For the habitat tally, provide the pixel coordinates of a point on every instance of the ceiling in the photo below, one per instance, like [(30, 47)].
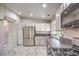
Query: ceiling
[(37, 10)]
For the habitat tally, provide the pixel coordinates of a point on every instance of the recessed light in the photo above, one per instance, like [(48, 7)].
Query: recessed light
[(43, 16), (31, 14), (19, 13), (57, 15), (44, 5)]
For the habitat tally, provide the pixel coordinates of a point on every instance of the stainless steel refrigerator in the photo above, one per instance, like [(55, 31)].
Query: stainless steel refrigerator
[(28, 35)]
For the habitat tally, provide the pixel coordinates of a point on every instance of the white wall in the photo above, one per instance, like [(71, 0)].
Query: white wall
[(1, 11)]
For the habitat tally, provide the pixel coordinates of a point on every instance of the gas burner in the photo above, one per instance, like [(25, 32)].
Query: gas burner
[(65, 51)]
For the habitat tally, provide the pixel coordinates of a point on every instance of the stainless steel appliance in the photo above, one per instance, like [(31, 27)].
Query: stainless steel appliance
[(28, 35)]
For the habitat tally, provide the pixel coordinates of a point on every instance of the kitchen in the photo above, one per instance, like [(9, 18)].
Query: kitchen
[(24, 33)]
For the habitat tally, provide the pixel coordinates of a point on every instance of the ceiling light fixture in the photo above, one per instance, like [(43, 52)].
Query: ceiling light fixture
[(57, 15), (44, 5), (31, 14), (43, 16)]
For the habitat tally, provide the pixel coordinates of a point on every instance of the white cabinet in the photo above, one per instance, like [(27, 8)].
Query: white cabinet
[(43, 27), (40, 41)]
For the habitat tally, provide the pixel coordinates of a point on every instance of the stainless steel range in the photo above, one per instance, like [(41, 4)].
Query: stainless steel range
[(74, 51)]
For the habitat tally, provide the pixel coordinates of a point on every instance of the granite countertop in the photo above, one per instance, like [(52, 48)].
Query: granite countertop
[(55, 43), (74, 51)]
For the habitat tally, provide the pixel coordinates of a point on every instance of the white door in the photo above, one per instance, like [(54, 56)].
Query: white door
[(1, 38)]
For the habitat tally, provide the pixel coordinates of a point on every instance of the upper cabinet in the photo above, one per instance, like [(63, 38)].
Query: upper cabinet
[(69, 9), (70, 16)]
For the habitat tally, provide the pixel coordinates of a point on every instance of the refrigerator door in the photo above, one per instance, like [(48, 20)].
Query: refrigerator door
[(28, 35)]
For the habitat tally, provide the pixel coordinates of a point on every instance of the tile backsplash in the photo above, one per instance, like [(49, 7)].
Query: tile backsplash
[(70, 33)]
